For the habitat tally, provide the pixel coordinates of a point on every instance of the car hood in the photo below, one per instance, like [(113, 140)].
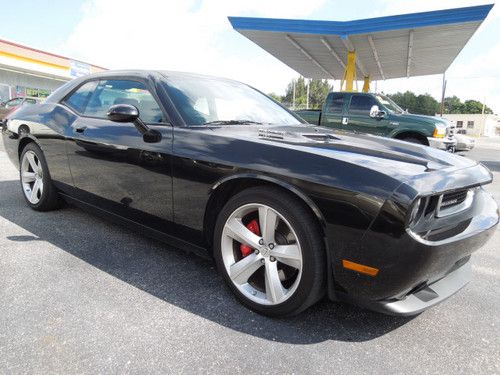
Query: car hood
[(423, 118), (407, 162)]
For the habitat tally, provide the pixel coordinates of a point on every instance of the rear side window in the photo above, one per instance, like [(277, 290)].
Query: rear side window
[(335, 103), (78, 100), (361, 104), (111, 92)]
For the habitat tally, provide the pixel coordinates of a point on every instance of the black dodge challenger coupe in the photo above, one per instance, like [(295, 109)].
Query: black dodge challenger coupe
[(290, 212)]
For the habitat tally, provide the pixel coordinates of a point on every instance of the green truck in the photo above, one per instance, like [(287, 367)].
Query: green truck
[(378, 115)]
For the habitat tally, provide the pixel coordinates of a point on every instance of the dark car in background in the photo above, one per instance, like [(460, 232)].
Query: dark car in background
[(11, 105), (290, 211)]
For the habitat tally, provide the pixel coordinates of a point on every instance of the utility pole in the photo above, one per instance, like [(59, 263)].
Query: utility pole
[(483, 117), (307, 94), (443, 93)]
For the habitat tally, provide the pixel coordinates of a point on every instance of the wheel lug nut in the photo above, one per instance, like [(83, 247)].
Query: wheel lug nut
[(257, 251), (263, 261), (272, 259), (271, 246), (261, 242)]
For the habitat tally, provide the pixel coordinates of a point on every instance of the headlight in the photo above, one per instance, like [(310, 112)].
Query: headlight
[(439, 130)]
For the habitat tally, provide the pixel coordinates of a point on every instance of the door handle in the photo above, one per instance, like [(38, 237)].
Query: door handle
[(80, 129)]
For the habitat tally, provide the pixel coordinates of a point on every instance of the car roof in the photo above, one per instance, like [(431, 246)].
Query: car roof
[(142, 73), (139, 73)]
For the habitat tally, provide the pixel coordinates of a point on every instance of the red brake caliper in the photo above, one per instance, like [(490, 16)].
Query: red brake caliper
[(253, 227)]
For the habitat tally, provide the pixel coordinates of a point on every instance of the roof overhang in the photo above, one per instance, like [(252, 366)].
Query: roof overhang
[(22, 59), (386, 47)]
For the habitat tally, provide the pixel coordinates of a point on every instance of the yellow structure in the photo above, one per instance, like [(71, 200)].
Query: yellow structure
[(366, 84), (347, 83), (349, 73)]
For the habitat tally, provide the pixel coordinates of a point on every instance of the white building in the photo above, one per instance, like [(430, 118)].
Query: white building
[(476, 125), (26, 71)]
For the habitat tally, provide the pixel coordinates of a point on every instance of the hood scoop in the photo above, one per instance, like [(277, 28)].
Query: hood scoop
[(296, 137), (271, 134)]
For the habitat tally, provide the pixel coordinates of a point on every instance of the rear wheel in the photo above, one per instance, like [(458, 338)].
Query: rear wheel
[(39, 192), (270, 251)]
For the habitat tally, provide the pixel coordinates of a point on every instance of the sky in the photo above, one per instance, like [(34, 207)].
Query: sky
[(195, 36)]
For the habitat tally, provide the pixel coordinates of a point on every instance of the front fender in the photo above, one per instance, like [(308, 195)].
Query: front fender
[(410, 129), (269, 179)]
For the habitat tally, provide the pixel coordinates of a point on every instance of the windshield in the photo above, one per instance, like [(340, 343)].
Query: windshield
[(389, 104), (206, 100)]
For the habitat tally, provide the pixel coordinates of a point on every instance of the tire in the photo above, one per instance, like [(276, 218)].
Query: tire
[(272, 280), (413, 140), (38, 189)]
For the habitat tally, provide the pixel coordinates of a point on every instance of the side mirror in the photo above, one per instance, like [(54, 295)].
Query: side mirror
[(123, 113), (130, 113), (375, 112)]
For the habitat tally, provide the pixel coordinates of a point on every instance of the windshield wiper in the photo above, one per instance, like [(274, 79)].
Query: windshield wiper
[(232, 122)]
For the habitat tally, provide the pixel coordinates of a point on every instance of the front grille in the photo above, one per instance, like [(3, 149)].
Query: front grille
[(453, 199), (454, 202)]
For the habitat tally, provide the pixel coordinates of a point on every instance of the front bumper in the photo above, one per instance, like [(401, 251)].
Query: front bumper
[(442, 143), (427, 296), (465, 146), (414, 273)]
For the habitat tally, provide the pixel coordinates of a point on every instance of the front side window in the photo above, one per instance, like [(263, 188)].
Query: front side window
[(110, 92), (335, 103), (79, 99), (203, 100), (361, 104), (13, 103), (389, 104)]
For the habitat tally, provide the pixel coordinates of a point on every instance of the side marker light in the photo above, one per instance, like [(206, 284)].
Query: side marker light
[(367, 270)]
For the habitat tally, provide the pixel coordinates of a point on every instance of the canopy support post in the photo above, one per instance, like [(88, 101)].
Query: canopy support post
[(350, 72), (366, 84)]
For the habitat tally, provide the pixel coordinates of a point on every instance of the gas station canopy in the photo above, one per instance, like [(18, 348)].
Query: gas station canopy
[(405, 45)]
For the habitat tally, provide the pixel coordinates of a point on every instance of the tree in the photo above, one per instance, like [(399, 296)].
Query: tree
[(318, 91), (422, 104), (278, 98), (427, 105), (453, 104), (475, 106)]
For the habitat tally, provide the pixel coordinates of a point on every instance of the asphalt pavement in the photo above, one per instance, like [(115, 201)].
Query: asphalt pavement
[(82, 295)]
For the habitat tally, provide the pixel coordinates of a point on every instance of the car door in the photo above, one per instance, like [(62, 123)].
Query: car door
[(358, 117), (112, 166), (333, 110)]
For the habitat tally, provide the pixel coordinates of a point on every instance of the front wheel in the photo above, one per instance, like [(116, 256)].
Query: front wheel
[(270, 251), (39, 192), (414, 140)]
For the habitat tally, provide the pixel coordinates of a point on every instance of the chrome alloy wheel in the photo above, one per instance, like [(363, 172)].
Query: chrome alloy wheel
[(32, 177), (271, 272)]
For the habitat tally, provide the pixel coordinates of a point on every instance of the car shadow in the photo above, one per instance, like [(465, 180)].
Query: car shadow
[(182, 279)]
